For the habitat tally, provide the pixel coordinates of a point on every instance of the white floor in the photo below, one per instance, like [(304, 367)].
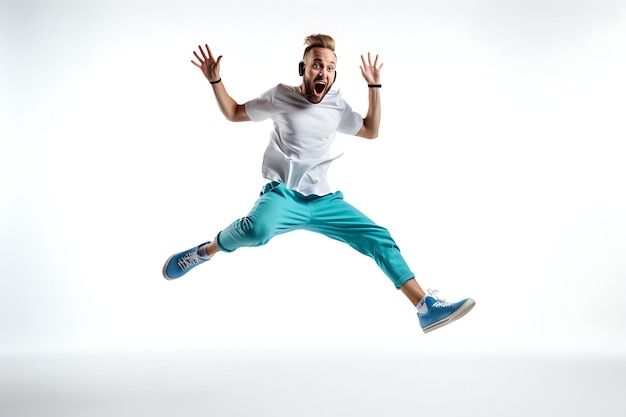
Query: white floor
[(300, 383)]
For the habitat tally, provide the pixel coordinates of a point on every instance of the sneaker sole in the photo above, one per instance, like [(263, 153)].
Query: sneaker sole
[(460, 312)]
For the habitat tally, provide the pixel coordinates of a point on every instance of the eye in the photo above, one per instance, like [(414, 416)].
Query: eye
[(330, 69), (317, 65)]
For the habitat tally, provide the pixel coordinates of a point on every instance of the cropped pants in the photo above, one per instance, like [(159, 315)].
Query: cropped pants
[(280, 210)]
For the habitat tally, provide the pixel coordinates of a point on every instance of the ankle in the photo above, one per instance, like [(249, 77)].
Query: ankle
[(203, 251)]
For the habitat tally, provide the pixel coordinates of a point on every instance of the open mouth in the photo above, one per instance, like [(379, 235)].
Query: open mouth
[(319, 87)]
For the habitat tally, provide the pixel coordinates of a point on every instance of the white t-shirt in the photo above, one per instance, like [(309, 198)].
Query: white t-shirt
[(298, 153)]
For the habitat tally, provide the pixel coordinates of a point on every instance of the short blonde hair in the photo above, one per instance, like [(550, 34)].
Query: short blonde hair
[(318, 41)]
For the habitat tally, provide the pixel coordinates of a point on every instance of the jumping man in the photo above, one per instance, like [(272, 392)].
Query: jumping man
[(297, 195)]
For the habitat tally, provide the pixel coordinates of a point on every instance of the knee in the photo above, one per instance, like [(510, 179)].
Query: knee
[(256, 233)]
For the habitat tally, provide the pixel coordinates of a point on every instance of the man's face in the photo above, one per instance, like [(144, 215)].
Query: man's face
[(319, 73)]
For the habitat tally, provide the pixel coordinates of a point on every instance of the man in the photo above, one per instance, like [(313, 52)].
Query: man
[(297, 197)]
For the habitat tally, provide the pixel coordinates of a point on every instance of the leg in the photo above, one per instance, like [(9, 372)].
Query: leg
[(275, 212), (413, 291), (337, 219), (212, 248)]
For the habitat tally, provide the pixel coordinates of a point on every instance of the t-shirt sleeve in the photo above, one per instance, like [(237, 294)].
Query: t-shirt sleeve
[(262, 107), (351, 121)]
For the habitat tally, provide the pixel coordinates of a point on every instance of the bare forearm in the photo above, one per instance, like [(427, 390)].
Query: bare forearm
[(233, 111), (371, 122)]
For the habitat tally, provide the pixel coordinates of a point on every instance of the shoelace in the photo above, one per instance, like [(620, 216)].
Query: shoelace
[(189, 260), (440, 301)]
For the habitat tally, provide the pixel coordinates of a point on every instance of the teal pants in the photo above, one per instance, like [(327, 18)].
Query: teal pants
[(280, 210)]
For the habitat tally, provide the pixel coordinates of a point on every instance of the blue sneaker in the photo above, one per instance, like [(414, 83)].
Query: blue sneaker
[(180, 263), (434, 312)]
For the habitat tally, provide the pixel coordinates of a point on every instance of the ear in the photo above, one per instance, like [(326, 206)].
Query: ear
[(301, 68)]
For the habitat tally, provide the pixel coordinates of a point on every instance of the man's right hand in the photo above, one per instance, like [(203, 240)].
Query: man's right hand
[(207, 63)]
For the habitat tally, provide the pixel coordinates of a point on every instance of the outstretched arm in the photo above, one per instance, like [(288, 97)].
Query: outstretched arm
[(210, 67), (371, 122)]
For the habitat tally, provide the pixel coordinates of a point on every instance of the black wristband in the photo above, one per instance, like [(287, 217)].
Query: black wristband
[(216, 82), (374, 85)]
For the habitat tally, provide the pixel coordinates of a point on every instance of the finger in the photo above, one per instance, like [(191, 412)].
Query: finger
[(199, 59), (202, 52), (196, 64), (208, 51)]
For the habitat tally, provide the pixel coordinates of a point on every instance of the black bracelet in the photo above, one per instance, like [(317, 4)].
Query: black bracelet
[(216, 82), (374, 85)]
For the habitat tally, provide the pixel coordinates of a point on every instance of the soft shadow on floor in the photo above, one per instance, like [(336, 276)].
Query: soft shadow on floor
[(303, 383)]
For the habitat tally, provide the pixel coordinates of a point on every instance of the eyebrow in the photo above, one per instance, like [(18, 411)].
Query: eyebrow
[(320, 60)]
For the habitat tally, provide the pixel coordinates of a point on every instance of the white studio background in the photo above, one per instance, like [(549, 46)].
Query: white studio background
[(499, 171)]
